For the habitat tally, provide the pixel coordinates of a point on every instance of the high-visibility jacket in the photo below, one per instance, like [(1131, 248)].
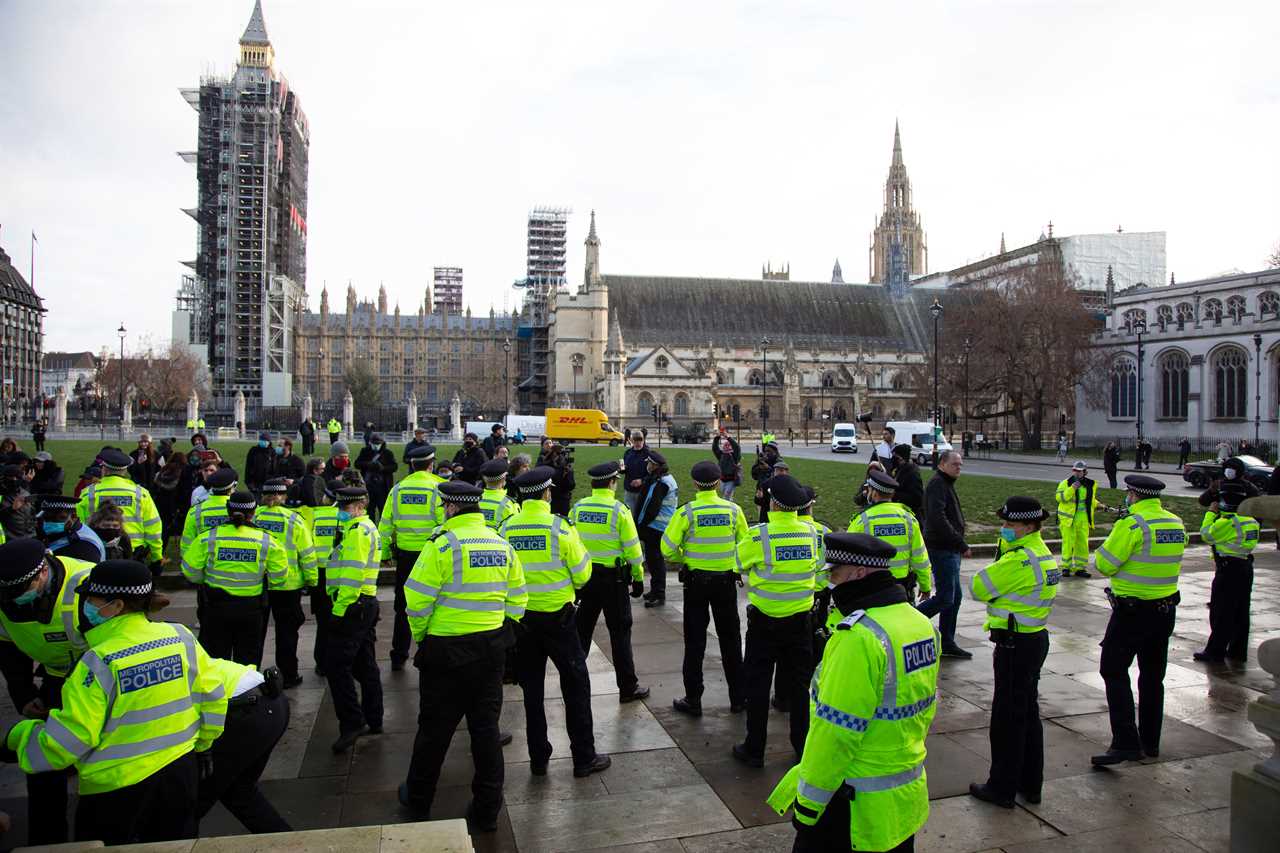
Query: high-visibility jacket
[(291, 532), (334, 426), (608, 531), (497, 506), (871, 704), (54, 642), (209, 513), (1230, 533), (191, 423), (1077, 505), (142, 696), (894, 524), (822, 575), (352, 570), (1143, 554), (200, 423), (781, 558), (554, 560), (237, 560), (466, 580), (1019, 587), (705, 533), (411, 513), (141, 519)]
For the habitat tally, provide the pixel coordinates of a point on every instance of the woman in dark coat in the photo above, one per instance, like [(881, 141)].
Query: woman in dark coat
[(164, 492), (145, 463), (1111, 461)]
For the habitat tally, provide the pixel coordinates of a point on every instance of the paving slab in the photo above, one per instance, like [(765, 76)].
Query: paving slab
[(963, 825), (1137, 835), (757, 838), (1107, 798)]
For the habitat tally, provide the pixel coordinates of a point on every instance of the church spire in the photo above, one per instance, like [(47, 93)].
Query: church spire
[(897, 144), (591, 273), (1002, 249), (837, 274), (255, 44)]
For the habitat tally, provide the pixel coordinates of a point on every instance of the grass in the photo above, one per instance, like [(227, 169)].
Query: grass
[(836, 482)]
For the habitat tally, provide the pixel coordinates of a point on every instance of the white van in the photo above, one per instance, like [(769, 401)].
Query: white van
[(844, 438), (920, 435)]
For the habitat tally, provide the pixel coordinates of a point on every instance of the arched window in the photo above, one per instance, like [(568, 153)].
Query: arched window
[(682, 404), (644, 404), (1230, 369), (897, 383), (1268, 302), (828, 380), (1133, 317), (1186, 314), (1124, 388), (808, 411), (1174, 384), (1213, 311), (1235, 308), (1164, 316), (660, 364), (755, 377)]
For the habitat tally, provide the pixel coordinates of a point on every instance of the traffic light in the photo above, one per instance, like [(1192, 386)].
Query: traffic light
[(737, 412), (715, 409), (655, 413)]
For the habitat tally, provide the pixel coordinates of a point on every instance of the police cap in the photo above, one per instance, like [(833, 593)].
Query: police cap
[(66, 502), (117, 579), (223, 478), (603, 471), (458, 492), (92, 471), (350, 494), (786, 492), (657, 458), (20, 560), (536, 480), (1144, 484), (858, 549), (494, 469), (242, 501), (421, 453), (113, 458), (882, 482), (705, 473), (1022, 508), (276, 485)]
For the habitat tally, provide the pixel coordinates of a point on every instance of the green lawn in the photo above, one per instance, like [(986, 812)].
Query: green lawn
[(836, 482)]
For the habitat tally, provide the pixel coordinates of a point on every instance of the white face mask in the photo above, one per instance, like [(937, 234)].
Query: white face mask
[(1229, 473)]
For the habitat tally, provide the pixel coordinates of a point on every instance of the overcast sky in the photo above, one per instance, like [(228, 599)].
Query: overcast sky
[(709, 137)]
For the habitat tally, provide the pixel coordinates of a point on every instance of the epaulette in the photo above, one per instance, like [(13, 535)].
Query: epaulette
[(849, 621)]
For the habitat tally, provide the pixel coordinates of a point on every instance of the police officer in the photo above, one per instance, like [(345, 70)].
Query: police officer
[(861, 783), (141, 520), (324, 535), (38, 626), (464, 587), (555, 565), (1143, 557), (779, 559), (138, 707), (257, 716), (292, 534), (64, 533), (1019, 589), (211, 511), (702, 539), (495, 505), (351, 581), (896, 525), (334, 429), (410, 515), (608, 531), (1077, 506), (1233, 537), (233, 564)]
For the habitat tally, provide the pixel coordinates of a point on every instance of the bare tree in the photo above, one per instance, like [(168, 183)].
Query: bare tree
[(1273, 260)]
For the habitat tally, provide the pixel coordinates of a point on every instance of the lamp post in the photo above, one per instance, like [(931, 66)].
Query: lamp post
[(1257, 392), (121, 332), (506, 377), (764, 390), (936, 310), (822, 400), (968, 347), (1140, 329)]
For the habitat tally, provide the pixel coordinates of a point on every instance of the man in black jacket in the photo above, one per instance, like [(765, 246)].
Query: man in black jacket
[(910, 491), (378, 466), (468, 461), (944, 539), (258, 463), (496, 438), (635, 467), (307, 432), (419, 440)]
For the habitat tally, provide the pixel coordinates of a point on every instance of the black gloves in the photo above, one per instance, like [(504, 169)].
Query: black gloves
[(205, 762), (637, 589)]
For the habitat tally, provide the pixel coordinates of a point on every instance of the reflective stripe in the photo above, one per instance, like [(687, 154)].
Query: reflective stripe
[(419, 586), (548, 587), (143, 747), (65, 738), (1162, 580), (1107, 555), (149, 715), (835, 716), (814, 793), (330, 580), (35, 754), (985, 577), (421, 613), (476, 586), (782, 596), (212, 696), (1021, 618), (515, 610), (886, 783), (468, 604)]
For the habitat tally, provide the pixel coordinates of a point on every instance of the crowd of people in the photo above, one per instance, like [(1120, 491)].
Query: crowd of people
[(498, 570)]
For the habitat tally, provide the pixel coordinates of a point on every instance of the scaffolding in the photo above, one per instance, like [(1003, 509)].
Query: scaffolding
[(545, 274)]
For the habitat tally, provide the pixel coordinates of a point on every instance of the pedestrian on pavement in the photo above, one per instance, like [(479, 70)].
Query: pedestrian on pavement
[(654, 510), (634, 468), (1111, 462), (861, 782), (1019, 589), (1184, 453), (910, 491), (1143, 557), (141, 520), (1077, 498), (702, 540), (1062, 448), (944, 533), (1233, 537), (410, 516), (608, 531)]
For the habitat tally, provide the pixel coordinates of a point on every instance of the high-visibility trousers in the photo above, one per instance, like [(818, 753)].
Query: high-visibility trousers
[(1075, 546)]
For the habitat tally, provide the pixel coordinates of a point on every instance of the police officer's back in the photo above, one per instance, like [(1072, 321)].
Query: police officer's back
[(141, 519), (324, 536), (495, 504), (896, 525), (211, 511), (410, 515), (290, 531), (1233, 536)]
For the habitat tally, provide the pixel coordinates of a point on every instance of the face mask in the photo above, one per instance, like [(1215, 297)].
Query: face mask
[(93, 614), (262, 443), (344, 516), (376, 447), (1128, 500), (341, 462), (1229, 474), (279, 451), (1007, 534), (28, 596), (52, 527)]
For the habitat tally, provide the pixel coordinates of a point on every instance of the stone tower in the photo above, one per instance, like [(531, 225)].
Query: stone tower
[(898, 223), (615, 362)]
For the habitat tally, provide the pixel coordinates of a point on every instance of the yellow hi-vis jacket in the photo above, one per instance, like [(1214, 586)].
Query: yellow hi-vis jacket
[(1076, 505), (141, 519), (894, 524), (236, 560), (554, 560), (608, 530), (1230, 534), (411, 513), (290, 531), (324, 533), (705, 533), (207, 514), (353, 569), (871, 705), (781, 558), (142, 696), (466, 581), (1019, 587), (1143, 554), (54, 642), (497, 506)]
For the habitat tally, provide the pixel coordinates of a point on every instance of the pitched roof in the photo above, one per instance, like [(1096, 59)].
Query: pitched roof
[(256, 32), (67, 361), (14, 288), (695, 311)]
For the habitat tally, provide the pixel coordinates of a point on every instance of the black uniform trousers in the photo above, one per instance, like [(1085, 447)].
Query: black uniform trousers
[(162, 807), (1016, 733), (231, 626), (831, 833), (1140, 630), (608, 593), (308, 444), (460, 677), (333, 437), (349, 658), (321, 611), (1229, 600), (651, 540), (708, 596), (785, 642), (47, 792), (255, 724), (285, 607), (401, 638), (553, 635)]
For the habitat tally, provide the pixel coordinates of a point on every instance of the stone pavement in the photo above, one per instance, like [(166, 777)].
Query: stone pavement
[(674, 788)]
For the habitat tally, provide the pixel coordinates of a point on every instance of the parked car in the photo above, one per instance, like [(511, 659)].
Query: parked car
[(1200, 474), (844, 438)]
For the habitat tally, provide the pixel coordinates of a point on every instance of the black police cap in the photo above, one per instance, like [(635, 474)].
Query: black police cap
[(882, 482), (223, 478), (242, 501), (422, 451), (458, 492), (276, 485), (657, 458), (535, 480), (786, 492), (494, 469), (603, 471), (1022, 508), (351, 494), (113, 458), (117, 579), (20, 560), (52, 501), (1144, 484), (858, 549), (705, 473)]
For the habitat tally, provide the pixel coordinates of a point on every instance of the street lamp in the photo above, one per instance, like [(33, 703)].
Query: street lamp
[(968, 347), (1257, 392), (764, 390), (506, 376), (936, 310), (1140, 329), (121, 332), (822, 398)]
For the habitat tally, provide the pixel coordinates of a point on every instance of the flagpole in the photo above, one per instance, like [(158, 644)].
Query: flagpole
[(33, 260)]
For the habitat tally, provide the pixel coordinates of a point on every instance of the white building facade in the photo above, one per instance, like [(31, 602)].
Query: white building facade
[(1208, 368)]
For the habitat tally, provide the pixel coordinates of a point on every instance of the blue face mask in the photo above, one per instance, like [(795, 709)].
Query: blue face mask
[(27, 597), (262, 443), (376, 447), (1007, 534), (279, 451), (92, 613), (344, 516), (52, 527)]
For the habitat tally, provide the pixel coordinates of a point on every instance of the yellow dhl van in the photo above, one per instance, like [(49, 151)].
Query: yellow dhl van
[(566, 425)]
